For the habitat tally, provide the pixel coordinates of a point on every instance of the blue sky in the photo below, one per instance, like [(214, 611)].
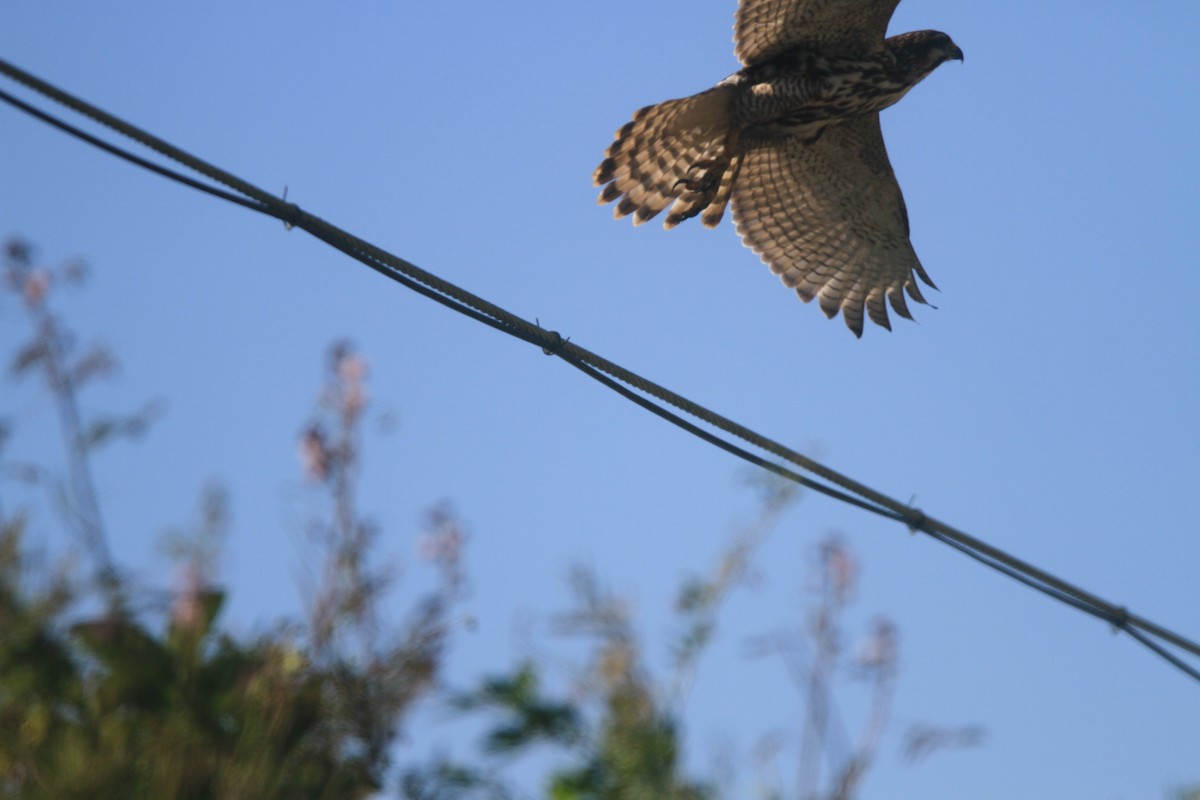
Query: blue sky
[(1049, 404)]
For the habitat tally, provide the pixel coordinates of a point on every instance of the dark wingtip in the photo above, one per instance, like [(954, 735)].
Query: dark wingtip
[(605, 172), (610, 193)]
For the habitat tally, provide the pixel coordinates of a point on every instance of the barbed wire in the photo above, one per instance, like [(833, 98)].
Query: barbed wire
[(625, 382)]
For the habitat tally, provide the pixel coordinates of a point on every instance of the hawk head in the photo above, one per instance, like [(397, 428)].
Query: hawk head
[(921, 52), (942, 44)]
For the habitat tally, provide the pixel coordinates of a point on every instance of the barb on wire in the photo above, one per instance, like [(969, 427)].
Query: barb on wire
[(628, 384)]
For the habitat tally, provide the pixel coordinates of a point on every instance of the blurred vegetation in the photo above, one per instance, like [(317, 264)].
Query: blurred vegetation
[(111, 689), (100, 701), (620, 728)]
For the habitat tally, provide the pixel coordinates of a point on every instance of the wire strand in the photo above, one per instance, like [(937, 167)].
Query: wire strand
[(625, 382)]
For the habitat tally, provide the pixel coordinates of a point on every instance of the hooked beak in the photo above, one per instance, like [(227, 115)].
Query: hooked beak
[(955, 54)]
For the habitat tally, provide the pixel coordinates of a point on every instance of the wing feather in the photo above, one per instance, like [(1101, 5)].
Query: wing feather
[(766, 28), (828, 218)]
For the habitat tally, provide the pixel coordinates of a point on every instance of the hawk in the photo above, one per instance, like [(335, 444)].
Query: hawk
[(792, 140)]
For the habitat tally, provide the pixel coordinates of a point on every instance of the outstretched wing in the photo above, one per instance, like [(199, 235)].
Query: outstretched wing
[(828, 219), (766, 28)]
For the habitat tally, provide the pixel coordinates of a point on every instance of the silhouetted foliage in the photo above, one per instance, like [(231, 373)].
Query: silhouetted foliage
[(119, 705)]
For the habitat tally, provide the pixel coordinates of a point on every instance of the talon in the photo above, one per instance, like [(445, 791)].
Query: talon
[(710, 177)]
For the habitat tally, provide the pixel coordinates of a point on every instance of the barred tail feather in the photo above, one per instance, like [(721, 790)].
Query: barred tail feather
[(655, 151)]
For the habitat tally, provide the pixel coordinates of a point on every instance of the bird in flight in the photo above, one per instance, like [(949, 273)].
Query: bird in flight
[(792, 140)]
